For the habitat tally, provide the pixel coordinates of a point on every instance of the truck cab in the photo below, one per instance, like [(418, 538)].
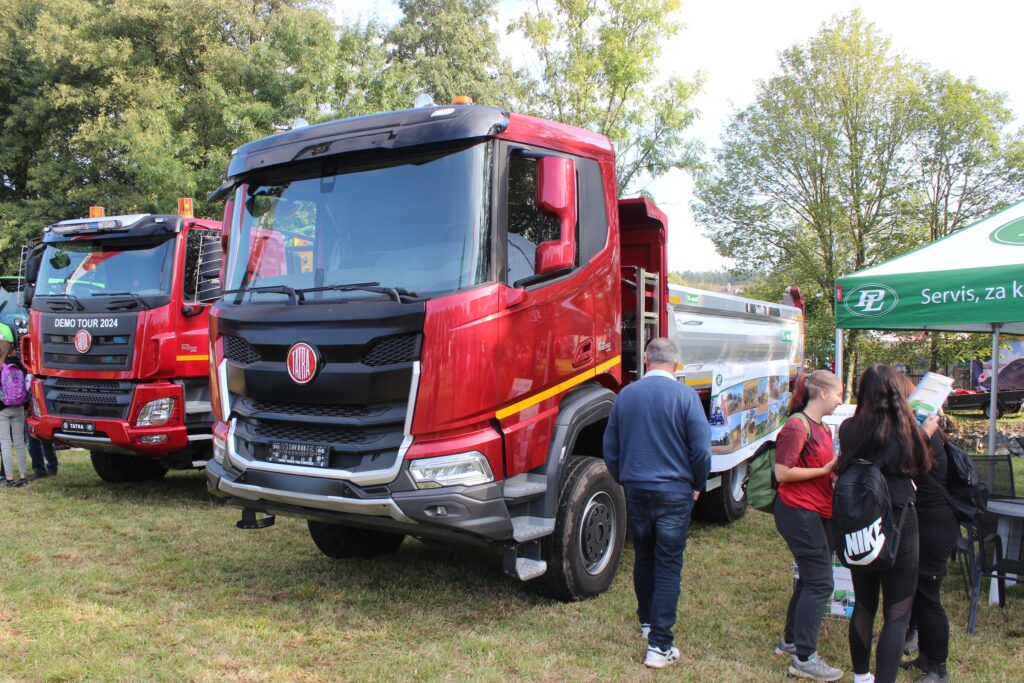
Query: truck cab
[(117, 348), (427, 316)]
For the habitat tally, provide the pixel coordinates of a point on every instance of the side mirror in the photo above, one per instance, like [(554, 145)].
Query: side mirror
[(556, 195), (32, 261)]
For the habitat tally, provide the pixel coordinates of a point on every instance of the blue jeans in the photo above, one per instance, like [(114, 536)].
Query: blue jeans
[(44, 457), (659, 522)]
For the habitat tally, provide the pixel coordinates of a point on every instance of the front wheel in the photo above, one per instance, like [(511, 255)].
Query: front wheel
[(116, 468), (584, 551), (111, 467), (1000, 409), (728, 502), (341, 542)]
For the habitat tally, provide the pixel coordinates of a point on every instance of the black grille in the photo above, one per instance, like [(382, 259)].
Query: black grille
[(68, 397), (312, 409), (87, 384), (90, 398), (240, 351), (392, 350), (297, 432)]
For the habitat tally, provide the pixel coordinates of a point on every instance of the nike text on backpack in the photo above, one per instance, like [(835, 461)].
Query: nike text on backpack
[(762, 486), (12, 386), (867, 532), (963, 488)]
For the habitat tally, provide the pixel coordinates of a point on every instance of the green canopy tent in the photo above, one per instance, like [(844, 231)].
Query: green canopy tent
[(969, 281)]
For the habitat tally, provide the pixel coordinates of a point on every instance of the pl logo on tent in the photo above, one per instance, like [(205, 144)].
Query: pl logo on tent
[(1011, 233), (870, 300)]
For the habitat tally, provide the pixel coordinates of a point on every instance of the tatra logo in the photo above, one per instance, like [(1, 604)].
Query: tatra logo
[(303, 362), (864, 546), (83, 341), (1011, 233), (870, 301)]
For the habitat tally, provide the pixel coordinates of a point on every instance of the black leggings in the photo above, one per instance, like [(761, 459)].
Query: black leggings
[(939, 531), (897, 586)]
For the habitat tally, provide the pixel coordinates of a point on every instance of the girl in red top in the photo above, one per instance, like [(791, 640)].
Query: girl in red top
[(804, 459)]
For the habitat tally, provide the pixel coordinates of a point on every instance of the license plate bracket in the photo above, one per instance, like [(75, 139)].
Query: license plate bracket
[(86, 427), (305, 454)]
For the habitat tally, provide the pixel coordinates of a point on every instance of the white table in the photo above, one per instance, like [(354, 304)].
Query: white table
[(1010, 529)]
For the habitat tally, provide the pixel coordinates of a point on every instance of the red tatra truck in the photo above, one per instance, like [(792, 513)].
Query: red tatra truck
[(118, 339), (426, 317)]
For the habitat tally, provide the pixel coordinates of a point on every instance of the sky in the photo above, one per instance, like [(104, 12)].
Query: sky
[(736, 43)]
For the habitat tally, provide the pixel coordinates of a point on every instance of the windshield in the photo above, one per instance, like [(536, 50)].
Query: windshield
[(418, 227), (11, 312), (84, 268)]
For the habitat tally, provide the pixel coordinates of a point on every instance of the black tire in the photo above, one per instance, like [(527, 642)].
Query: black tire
[(1013, 407), (112, 467), (1000, 409), (341, 542), (728, 502), (148, 469), (584, 551), (118, 469)]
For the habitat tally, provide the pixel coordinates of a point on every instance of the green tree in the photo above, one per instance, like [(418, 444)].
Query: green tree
[(811, 180), (963, 171), (598, 70), (131, 104), (447, 48)]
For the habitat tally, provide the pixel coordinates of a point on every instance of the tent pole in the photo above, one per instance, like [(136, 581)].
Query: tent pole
[(993, 397), (838, 369)]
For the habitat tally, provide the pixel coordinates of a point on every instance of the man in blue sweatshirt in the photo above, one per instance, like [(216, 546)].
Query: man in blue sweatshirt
[(658, 446)]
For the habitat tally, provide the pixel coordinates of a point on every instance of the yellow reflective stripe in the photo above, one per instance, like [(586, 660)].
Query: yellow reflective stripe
[(675, 300), (557, 389), (698, 382), (203, 356)]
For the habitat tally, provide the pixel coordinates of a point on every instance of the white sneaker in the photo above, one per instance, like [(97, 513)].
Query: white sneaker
[(658, 658), (645, 631)]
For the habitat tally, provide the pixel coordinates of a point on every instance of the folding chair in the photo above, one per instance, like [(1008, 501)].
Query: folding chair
[(979, 552), (997, 473)]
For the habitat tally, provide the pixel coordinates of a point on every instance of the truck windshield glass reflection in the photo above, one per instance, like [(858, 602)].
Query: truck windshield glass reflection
[(419, 227)]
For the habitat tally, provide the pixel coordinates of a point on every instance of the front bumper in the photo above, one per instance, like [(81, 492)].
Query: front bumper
[(469, 514), (112, 436)]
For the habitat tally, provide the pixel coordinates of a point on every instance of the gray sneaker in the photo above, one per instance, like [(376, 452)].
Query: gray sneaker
[(814, 669), (784, 648)]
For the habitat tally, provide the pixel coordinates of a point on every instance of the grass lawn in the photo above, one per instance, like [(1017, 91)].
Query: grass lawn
[(154, 582)]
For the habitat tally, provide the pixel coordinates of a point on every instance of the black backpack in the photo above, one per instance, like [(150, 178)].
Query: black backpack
[(964, 490), (867, 532)]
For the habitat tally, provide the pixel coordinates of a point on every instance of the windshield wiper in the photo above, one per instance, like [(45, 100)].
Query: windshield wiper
[(69, 300), (294, 296), (394, 293), (134, 301)]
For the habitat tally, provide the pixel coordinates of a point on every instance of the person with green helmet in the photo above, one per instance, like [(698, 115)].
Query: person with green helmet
[(12, 417)]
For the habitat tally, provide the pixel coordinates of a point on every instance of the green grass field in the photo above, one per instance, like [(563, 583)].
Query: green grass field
[(154, 582)]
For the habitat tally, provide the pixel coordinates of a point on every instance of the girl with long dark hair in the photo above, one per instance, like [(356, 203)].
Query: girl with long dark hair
[(804, 459), (883, 430), (938, 534)]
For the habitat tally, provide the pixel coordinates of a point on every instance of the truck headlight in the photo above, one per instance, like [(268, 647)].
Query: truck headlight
[(462, 469), (155, 412), (34, 402), (220, 449)]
